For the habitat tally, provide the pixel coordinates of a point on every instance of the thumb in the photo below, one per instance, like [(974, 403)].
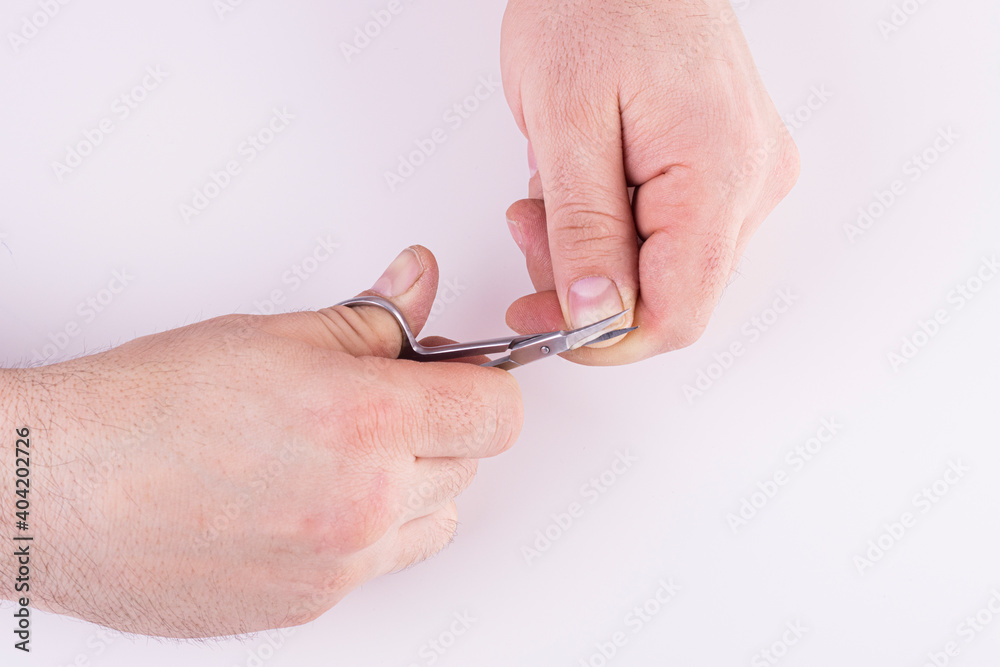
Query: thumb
[(591, 235), (410, 283)]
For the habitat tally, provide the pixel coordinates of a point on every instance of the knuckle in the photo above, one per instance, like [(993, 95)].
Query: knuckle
[(509, 414), (789, 166), (363, 504), (457, 477), (579, 119), (323, 595), (356, 332), (368, 419), (383, 421), (764, 160), (689, 327), (497, 417), (687, 334), (331, 581), (744, 136), (363, 520), (439, 533), (581, 231), (717, 255), (447, 481)]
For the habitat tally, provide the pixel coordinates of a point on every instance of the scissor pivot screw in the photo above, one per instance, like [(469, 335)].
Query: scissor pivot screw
[(545, 349)]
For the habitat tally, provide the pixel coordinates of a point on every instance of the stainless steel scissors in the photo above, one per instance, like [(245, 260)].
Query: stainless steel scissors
[(517, 350)]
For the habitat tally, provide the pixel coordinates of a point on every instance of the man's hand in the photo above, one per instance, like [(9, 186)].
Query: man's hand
[(246, 472), (662, 96)]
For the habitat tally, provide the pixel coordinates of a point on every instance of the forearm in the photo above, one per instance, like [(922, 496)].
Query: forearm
[(29, 446), (39, 468)]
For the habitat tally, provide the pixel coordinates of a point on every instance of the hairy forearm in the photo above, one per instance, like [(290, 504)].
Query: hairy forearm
[(29, 455), (40, 467), (12, 416)]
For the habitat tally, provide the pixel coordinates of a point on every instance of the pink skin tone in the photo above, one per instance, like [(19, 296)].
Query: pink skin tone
[(607, 108), (282, 461)]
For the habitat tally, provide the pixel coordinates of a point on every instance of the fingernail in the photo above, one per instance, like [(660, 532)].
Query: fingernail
[(401, 275), (515, 232), (532, 163), (592, 300)]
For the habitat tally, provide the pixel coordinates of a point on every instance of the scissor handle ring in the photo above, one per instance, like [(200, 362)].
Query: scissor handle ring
[(410, 348)]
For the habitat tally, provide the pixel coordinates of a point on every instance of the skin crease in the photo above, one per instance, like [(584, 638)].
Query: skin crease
[(279, 463), (659, 95)]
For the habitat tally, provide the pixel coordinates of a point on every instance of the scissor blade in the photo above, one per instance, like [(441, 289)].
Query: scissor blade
[(505, 364), (584, 335), (611, 335), (551, 344)]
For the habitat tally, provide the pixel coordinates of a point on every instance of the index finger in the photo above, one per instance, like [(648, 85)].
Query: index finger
[(446, 410), (591, 234)]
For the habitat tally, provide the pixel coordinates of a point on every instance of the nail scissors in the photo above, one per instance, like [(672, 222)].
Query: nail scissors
[(517, 350)]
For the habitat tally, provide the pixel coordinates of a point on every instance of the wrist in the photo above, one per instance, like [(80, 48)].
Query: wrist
[(12, 398)]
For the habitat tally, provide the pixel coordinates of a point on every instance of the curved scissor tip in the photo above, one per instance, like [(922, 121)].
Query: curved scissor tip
[(611, 335)]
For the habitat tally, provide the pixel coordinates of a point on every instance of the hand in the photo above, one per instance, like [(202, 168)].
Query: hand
[(246, 472), (662, 96)]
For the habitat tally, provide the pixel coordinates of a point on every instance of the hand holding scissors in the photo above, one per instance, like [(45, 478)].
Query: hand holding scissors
[(516, 350)]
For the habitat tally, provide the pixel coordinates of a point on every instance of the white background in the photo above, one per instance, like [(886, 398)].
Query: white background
[(666, 517)]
